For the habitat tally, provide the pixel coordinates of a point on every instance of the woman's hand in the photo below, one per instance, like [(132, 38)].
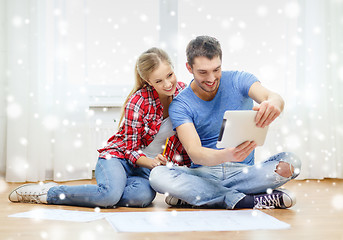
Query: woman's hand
[(159, 160), (151, 163)]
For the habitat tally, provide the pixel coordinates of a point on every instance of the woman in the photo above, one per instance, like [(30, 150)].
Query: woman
[(123, 168)]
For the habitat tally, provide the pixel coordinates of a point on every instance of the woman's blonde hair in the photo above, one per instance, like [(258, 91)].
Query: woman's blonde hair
[(147, 62)]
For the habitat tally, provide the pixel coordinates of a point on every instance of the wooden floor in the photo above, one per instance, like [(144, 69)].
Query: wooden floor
[(318, 214)]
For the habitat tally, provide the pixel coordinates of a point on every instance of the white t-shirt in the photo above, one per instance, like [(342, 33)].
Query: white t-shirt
[(157, 145)]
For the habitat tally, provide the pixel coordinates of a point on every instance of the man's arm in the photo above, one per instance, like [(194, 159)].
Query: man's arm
[(271, 104), (207, 156)]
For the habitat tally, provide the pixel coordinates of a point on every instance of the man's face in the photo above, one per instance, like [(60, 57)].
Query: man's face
[(207, 74)]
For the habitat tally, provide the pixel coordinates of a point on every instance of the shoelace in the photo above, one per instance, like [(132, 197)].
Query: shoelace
[(29, 197), (268, 202)]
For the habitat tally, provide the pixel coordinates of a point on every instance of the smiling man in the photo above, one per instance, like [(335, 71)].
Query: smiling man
[(224, 178)]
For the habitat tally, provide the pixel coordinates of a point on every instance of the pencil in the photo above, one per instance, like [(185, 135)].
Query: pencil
[(165, 147)]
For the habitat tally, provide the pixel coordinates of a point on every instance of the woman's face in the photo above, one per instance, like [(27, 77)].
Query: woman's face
[(163, 79)]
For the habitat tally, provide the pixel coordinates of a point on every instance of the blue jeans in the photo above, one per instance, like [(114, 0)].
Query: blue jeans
[(118, 184), (224, 185)]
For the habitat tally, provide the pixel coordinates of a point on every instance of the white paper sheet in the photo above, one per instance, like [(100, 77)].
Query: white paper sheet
[(63, 215), (174, 221), (181, 221)]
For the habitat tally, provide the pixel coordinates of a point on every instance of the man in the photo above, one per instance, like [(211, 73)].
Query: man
[(223, 178)]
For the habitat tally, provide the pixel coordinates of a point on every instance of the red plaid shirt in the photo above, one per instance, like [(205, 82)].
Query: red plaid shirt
[(142, 121)]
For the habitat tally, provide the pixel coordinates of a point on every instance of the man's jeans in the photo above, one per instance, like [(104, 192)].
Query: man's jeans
[(224, 185), (118, 184)]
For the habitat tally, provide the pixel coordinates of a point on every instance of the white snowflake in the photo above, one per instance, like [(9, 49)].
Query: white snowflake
[(242, 25), (317, 30), (70, 168), (292, 10), (99, 228), (225, 23), (254, 213), (98, 122), (14, 110), (262, 11), (143, 17), (44, 235), (77, 143), (62, 196), (17, 21), (178, 158), (297, 41), (236, 43), (23, 141), (51, 122)]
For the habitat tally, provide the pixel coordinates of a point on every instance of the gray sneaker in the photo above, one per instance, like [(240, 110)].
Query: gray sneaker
[(173, 201), (279, 198), (31, 193)]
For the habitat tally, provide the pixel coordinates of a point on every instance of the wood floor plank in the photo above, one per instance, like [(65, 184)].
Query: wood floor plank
[(318, 214)]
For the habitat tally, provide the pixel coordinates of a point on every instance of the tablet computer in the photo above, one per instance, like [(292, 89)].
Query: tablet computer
[(238, 127)]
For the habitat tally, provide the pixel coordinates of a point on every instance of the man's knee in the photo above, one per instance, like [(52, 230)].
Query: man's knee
[(284, 169), (157, 175), (154, 174), (289, 167), (163, 178)]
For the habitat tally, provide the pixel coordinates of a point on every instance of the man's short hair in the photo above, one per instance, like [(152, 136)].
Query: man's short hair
[(203, 46)]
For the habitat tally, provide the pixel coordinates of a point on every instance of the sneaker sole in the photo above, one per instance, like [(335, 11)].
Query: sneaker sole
[(289, 198)]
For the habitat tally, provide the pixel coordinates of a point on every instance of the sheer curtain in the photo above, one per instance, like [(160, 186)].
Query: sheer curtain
[(47, 104), (2, 93), (317, 109), (312, 123), (60, 55)]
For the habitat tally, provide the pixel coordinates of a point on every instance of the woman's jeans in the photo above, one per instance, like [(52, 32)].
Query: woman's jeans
[(224, 185), (118, 184)]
